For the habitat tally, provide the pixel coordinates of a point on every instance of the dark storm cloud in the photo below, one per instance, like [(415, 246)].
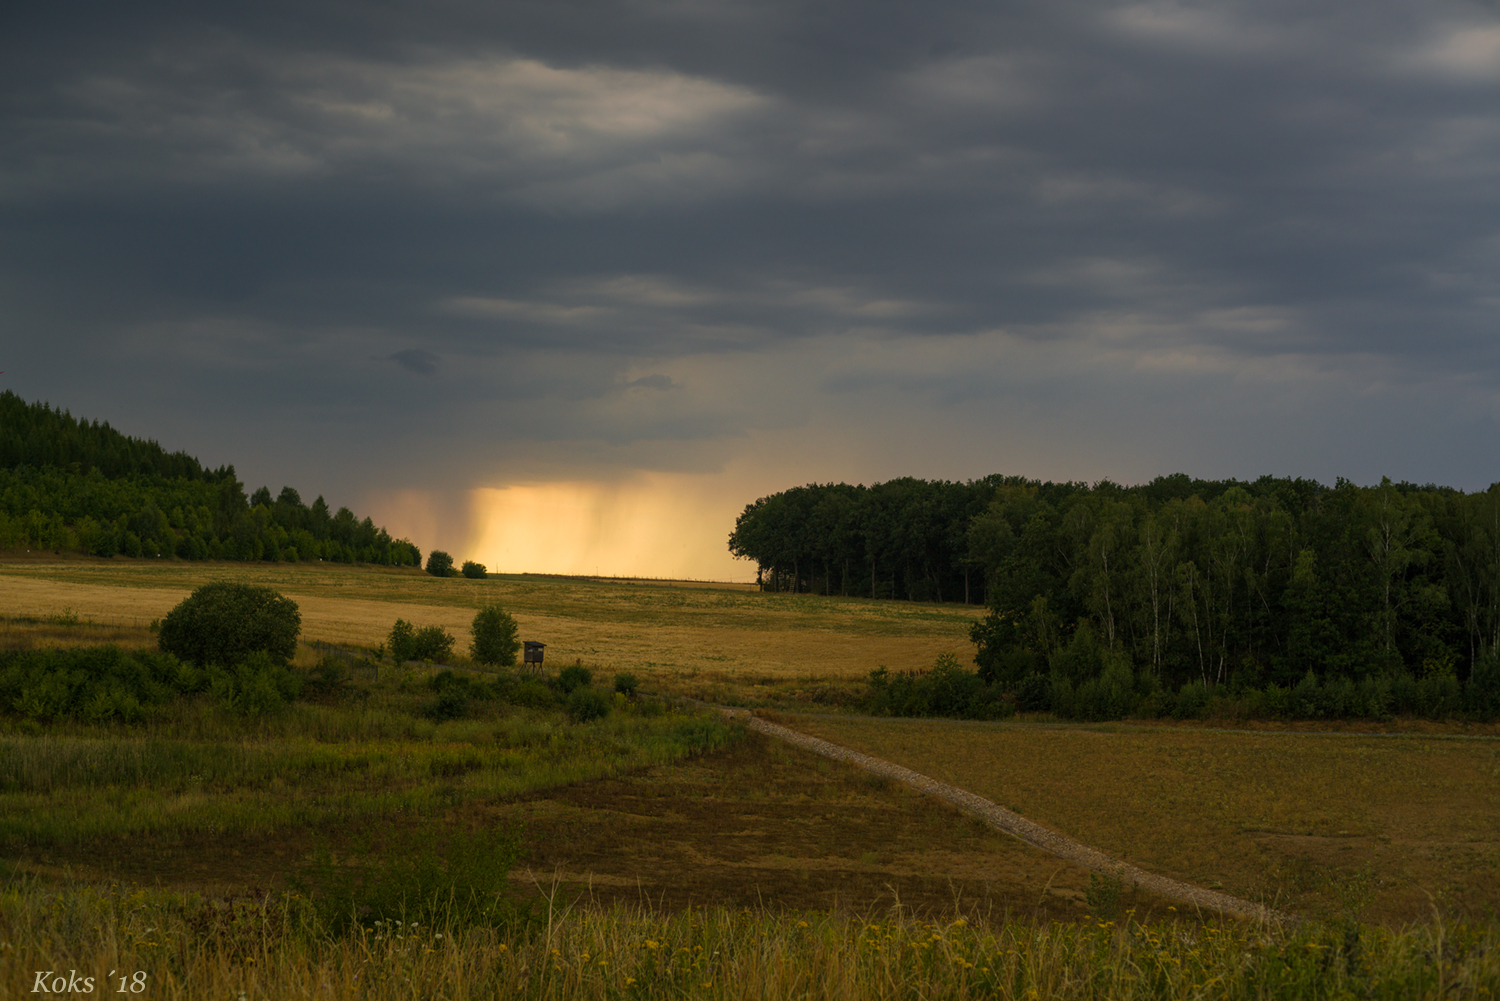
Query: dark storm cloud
[(782, 212), (416, 360)]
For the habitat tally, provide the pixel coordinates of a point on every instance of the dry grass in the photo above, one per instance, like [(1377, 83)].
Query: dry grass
[(717, 639), (1320, 824), (190, 948)]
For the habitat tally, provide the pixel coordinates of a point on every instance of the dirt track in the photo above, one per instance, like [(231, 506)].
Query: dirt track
[(1013, 823)]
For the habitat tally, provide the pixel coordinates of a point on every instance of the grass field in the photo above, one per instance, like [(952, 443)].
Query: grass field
[(646, 826), (1386, 827), (187, 948), (719, 640)]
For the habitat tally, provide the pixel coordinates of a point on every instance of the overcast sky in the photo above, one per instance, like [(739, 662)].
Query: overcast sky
[(564, 285)]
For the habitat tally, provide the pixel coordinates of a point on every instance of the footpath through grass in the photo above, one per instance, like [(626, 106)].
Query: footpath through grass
[(1322, 824)]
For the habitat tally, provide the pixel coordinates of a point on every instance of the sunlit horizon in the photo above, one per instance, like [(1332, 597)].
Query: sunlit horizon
[(649, 525)]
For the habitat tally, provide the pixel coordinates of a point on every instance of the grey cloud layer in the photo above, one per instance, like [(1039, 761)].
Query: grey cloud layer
[(622, 234)]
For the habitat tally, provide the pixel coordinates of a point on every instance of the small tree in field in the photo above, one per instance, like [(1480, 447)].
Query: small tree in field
[(223, 623), (495, 637), (440, 564), (474, 571), (403, 641)]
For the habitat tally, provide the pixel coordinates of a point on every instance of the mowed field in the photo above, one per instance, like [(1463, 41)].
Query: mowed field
[(722, 633), (1391, 828)]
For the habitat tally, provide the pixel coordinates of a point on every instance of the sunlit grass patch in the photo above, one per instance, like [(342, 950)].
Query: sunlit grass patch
[(660, 632)]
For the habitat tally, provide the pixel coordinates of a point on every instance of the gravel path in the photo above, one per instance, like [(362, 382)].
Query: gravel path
[(1011, 822)]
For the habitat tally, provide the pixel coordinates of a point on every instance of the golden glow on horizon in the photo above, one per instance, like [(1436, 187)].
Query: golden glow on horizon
[(651, 525)]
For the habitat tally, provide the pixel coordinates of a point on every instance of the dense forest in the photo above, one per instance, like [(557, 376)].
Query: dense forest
[(1175, 582), (70, 484)]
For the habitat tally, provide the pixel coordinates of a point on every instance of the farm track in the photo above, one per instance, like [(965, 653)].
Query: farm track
[(1014, 824)]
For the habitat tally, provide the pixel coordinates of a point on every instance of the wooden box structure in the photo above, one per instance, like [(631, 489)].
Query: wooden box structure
[(531, 658)]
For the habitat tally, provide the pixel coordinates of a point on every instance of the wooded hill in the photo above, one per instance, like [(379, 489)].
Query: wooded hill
[(1178, 580), (70, 484)]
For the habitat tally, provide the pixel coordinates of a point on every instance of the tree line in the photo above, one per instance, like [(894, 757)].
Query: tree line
[(70, 484), (1175, 582), (903, 539)]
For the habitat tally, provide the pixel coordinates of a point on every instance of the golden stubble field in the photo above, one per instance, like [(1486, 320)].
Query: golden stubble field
[(729, 633), (1388, 827)]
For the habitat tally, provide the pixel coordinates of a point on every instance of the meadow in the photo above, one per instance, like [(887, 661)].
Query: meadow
[(183, 948), (718, 640), (664, 852), (1382, 826)]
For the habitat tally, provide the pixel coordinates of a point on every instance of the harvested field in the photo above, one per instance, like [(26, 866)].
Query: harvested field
[(715, 636), (1382, 827)]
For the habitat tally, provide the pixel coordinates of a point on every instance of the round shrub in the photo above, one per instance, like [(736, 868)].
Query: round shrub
[(474, 571), (440, 564), (223, 623), (587, 704), (495, 637), (572, 677), (626, 684), (530, 694)]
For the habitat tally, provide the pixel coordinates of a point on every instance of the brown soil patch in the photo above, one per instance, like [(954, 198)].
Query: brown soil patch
[(758, 824)]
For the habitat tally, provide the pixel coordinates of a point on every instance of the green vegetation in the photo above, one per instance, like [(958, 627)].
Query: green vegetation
[(496, 637), (224, 622), (69, 484), (474, 571), (429, 643), (587, 704), (573, 676), (273, 947), (1106, 599), (202, 762), (946, 690), (440, 564)]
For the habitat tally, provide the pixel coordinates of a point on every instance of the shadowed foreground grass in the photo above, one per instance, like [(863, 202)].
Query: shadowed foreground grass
[(192, 948)]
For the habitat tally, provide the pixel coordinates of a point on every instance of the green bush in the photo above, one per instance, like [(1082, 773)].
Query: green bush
[(97, 684), (586, 704), (223, 623), (433, 643), (946, 690), (530, 694), (454, 693), (1034, 693), (440, 564), (474, 571), (258, 686), (626, 684), (328, 679), (407, 642), (495, 637), (573, 676)]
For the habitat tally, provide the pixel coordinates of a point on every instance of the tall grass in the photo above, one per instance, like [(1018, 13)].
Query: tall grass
[(194, 948), (72, 787)]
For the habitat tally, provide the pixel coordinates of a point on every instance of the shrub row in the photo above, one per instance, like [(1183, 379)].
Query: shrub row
[(104, 683), (949, 690)]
